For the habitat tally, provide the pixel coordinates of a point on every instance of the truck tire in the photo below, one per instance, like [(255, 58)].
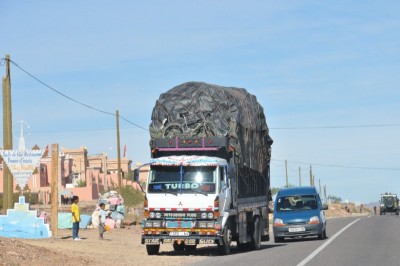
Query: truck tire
[(242, 246), (190, 248), (224, 248), (256, 235), (178, 247), (152, 249)]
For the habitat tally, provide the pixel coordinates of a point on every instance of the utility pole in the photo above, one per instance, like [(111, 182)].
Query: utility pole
[(119, 157), (54, 188), (287, 181), (311, 181), (319, 184), (7, 137), (299, 177), (105, 171)]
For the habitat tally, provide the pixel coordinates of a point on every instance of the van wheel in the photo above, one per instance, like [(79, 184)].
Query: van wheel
[(152, 249), (323, 235), (256, 237), (224, 248)]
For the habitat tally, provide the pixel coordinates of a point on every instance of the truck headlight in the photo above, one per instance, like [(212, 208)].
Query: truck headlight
[(152, 215), (157, 224), (210, 215), (204, 215), (202, 224), (158, 215)]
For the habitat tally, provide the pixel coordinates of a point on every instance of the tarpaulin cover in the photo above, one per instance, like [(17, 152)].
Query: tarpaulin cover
[(201, 109)]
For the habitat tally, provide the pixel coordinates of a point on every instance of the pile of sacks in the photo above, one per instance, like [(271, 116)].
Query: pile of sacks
[(114, 205)]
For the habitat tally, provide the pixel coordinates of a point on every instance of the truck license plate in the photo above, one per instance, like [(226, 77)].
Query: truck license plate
[(152, 241), (297, 229), (179, 233)]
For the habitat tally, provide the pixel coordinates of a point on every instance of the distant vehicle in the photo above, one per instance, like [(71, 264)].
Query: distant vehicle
[(389, 203), (298, 211)]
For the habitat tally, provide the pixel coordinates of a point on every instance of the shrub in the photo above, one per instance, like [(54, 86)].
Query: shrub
[(132, 197)]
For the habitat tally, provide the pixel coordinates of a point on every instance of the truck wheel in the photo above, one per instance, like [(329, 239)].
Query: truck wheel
[(224, 248), (256, 237), (190, 248), (152, 249), (242, 246), (178, 247)]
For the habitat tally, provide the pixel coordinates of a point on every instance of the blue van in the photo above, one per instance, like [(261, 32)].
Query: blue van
[(298, 211)]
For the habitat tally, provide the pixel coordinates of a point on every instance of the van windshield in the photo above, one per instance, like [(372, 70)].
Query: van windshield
[(296, 203)]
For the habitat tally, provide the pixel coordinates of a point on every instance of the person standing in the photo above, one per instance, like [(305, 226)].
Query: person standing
[(102, 220), (76, 218)]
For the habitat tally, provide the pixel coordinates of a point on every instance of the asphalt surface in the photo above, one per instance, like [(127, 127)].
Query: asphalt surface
[(361, 240)]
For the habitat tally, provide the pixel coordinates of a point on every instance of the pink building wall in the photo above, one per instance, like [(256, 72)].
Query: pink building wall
[(94, 177)]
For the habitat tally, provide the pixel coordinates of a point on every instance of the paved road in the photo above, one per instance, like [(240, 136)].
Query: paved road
[(372, 240)]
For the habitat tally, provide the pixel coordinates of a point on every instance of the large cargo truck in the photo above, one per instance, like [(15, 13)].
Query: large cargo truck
[(209, 173)]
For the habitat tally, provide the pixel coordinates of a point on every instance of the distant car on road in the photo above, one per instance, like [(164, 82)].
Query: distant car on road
[(298, 211), (389, 203)]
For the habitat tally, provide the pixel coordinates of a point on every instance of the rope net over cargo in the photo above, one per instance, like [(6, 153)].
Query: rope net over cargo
[(197, 109)]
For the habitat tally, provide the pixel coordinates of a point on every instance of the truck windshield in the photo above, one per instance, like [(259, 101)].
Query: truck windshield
[(185, 179), (296, 203)]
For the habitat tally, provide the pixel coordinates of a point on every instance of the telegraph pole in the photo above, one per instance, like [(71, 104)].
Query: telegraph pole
[(311, 177), (119, 157), (287, 181), (319, 183), (54, 188), (7, 137), (299, 177)]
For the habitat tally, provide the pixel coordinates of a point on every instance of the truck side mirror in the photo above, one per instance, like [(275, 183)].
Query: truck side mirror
[(136, 174), (324, 207)]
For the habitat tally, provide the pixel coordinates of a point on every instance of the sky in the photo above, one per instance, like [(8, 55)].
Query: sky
[(325, 72)]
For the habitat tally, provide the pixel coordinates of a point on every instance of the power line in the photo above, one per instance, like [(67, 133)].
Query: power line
[(136, 125), (69, 98), (330, 127), (342, 166)]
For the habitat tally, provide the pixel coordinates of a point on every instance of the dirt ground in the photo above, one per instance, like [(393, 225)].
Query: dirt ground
[(120, 247)]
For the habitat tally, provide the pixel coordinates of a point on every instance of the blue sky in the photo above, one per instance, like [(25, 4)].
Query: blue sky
[(326, 73)]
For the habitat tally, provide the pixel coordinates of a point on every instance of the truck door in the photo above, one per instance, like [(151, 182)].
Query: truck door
[(224, 190)]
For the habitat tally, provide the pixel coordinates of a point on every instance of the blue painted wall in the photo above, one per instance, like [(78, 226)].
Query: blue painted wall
[(21, 222)]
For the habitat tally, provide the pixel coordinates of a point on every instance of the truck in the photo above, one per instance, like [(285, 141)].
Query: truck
[(208, 179)]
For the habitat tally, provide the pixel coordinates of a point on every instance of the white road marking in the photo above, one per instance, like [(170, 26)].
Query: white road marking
[(318, 250)]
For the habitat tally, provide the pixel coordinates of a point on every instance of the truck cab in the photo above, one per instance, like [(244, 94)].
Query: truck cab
[(185, 196)]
